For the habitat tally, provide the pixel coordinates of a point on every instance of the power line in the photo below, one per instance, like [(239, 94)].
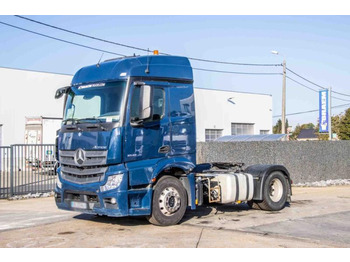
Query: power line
[(233, 72), (306, 79), (302, 84), (147, 50), (316, 91), (230, 63), (101, 50), (316, 84), (84, 35), (61, 40), (341, 99), (311, 111), (139, 48), (340, 93)]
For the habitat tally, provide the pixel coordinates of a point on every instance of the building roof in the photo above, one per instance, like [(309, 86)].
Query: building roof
[(307, 133), (240, 138)]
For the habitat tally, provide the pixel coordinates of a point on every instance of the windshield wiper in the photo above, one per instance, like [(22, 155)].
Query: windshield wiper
[(93, 126), (90, 118)]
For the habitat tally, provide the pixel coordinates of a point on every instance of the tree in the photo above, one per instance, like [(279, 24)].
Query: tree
[(340, 126), (277, 129), (344, 126)]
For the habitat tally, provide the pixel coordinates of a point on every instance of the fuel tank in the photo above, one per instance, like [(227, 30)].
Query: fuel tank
[(233, 187)]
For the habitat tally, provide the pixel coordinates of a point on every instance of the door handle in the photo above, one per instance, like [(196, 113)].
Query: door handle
[(164, 149)]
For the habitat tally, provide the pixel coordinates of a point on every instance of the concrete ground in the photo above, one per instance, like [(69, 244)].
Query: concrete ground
[(317, 217)]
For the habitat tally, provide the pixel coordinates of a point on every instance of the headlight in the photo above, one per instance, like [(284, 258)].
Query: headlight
[(112, 182), (58, 182)]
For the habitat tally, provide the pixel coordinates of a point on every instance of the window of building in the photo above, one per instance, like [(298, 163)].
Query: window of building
[(212, 134), (264, 132), (242, 129)]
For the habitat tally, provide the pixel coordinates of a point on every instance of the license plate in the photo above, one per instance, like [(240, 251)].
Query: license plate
[(80, 205)]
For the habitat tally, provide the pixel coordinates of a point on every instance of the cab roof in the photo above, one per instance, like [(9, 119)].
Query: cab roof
[(173, 67)]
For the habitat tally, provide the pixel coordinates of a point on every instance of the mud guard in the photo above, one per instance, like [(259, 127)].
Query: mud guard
[(261, 172)]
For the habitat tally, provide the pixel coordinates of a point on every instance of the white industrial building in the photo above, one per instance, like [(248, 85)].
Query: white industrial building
[(220, 113), (27, 93)]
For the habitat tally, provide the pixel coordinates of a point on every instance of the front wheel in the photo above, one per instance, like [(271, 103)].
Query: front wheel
[(275, 192), (169, 202)]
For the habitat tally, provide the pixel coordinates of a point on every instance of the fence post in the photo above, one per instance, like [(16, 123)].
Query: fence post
[(11, 170)]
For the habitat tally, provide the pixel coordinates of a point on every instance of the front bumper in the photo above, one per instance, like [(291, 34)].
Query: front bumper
[(119, 202)]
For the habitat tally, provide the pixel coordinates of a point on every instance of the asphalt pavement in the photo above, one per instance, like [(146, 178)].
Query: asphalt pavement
[(317, 217)]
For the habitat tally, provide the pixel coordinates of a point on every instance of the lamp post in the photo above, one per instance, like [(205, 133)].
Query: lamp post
[(283, 93)]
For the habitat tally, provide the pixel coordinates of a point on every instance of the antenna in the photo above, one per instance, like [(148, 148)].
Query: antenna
[(147, 69), (98, 63)]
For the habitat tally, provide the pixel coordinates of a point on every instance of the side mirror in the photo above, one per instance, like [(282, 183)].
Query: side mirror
[(61, 91), (145, 102)]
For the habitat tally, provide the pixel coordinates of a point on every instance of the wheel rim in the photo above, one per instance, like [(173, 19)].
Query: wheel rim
[(276, 190), (169, 201)]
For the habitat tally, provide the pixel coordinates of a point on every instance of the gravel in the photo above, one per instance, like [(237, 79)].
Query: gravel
[(324, 183), (30, 195)]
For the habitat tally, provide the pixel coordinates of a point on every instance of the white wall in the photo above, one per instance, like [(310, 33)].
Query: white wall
[(27, 93), (214, 111), (0, 135)]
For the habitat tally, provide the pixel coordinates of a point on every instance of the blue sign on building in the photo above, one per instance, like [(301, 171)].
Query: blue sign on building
[(323, 111)]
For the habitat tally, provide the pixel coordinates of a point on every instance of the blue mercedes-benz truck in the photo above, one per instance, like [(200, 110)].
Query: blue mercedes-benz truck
[(127, 146)]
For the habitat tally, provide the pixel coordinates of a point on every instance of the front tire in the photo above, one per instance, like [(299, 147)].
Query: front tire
[(275, 192), (169, 202)]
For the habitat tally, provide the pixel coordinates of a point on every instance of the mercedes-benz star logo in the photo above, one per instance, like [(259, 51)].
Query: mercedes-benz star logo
[(79, 157)]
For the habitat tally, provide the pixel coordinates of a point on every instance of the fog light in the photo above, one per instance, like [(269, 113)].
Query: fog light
[(112, 182), (113, 201), (58, 182)]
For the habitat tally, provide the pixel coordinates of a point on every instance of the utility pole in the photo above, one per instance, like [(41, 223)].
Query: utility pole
[(284, 98), (330, 112)]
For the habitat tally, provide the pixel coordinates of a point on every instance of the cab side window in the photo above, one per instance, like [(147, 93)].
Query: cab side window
[(135, 104), (158, 104)]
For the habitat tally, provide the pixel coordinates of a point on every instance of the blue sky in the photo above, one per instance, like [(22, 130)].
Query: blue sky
[(316, 47)]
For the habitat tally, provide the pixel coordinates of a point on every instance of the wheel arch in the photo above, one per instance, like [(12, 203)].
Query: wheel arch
[(180, 168), (261, 172), (173, 166)]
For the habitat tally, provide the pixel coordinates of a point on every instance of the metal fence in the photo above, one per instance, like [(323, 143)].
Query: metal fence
[(26, 169)]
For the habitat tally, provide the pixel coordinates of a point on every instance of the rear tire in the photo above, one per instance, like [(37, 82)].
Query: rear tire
[(169, 202), (275, 192)]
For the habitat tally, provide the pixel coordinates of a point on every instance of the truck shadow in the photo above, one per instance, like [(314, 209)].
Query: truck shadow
[(122, 221), (238, 211), (214, 209)]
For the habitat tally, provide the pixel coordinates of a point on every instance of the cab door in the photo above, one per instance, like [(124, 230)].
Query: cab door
[(148, 141)]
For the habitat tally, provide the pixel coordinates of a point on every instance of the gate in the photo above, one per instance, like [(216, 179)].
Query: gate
[(27, 169), (5, 164)]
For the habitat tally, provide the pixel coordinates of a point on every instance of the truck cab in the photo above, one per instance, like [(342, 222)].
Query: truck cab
[(127, 122)]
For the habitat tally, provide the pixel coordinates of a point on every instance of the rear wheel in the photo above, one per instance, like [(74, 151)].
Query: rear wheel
[(274, 192), (169, 202)]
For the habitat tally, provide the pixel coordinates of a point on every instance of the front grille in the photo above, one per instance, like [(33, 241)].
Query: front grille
[(91, 170), (93, 158)]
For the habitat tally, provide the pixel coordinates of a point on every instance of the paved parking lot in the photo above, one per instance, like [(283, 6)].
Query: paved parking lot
[(317, 217)]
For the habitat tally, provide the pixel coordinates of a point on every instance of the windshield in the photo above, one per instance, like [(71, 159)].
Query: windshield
[(100, 102)]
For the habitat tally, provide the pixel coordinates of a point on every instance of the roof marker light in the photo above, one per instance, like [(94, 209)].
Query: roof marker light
[(155, 52)]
